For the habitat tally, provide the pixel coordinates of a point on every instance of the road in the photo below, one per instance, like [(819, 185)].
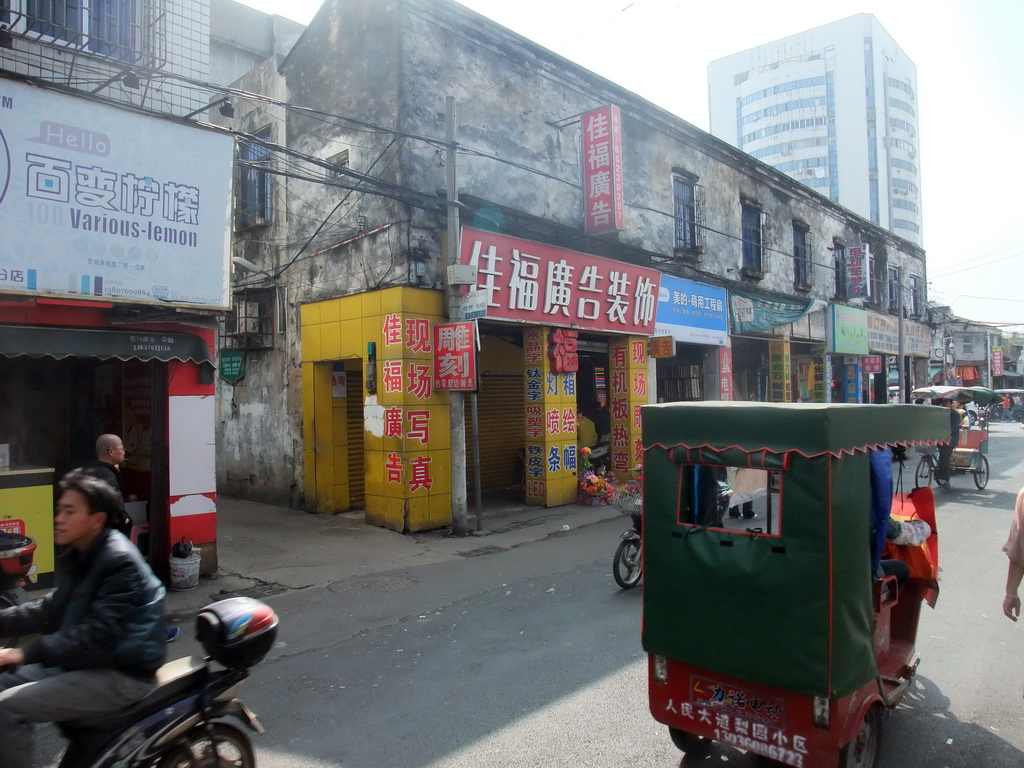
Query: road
[(532, 657)]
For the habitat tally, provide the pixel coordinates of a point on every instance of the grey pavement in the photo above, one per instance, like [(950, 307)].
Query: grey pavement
[(264, 549)]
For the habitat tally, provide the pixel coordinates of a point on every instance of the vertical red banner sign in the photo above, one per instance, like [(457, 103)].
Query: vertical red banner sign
[(997, 361), (603, 209), (454, 356), (725, 370), (858, 271)]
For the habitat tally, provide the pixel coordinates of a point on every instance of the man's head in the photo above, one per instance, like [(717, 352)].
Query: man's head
[(86, 506), (110, 449)]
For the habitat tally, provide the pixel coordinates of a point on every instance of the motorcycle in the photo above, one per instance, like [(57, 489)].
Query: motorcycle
[(628, 563), (190, 718), (16, 553)]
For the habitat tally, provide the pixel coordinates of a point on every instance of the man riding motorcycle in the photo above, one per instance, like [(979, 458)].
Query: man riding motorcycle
[(102, 629)]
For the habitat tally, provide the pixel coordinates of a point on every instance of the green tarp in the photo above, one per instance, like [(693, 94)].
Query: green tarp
[(794, 610)]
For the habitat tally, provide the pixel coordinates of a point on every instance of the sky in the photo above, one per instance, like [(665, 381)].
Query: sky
[(970, 60)]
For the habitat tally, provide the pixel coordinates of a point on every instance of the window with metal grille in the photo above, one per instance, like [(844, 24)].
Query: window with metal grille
[(893, 289), (839, 266), (689, 214), (915, 295), (255, 189), (753, 220), (802, 247), (110, 28)]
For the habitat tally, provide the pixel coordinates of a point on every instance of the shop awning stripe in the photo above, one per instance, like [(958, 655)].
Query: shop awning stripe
[(62, 342)]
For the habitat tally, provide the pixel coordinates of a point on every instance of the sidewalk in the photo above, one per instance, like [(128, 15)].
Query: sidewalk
[(265, 549)]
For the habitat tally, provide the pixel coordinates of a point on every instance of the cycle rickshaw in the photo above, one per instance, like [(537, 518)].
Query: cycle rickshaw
[(783, 642), (969, 455)]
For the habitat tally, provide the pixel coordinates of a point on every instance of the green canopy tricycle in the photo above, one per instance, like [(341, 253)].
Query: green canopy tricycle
[(781, 637)]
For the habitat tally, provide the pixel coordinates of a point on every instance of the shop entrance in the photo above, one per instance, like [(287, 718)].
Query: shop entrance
[(681, 378), (750, 369), (336, 467), (52, 411), (501, 416)]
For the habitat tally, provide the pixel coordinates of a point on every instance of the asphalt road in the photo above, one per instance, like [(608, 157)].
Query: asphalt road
[(532, 657)]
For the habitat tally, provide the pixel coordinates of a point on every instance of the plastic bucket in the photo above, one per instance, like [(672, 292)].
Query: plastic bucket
[(185, 572)]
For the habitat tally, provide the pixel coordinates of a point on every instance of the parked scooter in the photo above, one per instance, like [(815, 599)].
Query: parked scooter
[(190, 718), (16, 552), (628, 563)]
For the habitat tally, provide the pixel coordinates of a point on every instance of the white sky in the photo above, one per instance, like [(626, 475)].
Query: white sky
[(970, 62)]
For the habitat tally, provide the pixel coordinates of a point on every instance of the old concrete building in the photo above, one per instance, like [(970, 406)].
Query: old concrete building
[(595, 221)]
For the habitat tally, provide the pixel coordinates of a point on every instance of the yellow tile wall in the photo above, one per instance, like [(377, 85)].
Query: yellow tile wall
[(551, 488), (340, 329), (629, 385)]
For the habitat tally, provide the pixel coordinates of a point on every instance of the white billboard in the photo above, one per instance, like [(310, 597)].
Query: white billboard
[(109, 204)]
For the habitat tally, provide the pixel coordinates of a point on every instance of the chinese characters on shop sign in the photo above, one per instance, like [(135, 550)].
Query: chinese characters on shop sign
[(603, 202), (545, 285)]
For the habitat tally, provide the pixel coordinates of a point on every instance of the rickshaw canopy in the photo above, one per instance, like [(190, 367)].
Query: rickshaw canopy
[(790, 607), (808, 429)]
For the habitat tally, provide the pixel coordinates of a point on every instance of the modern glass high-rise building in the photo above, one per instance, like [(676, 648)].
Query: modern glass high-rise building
[(835, 108)]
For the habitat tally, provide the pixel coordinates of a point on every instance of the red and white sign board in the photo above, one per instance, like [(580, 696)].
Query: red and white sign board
[(871, 363), (997, 361), (535, 283), (454, 357), (603, 209)]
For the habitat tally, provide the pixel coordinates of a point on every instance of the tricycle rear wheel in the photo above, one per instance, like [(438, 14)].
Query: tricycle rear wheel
[(923, 475), (981, 475), (866, 746), (691, 744)]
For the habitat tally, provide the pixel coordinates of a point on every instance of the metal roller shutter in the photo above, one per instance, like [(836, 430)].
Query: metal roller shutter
[(502, 417), (356, 449)]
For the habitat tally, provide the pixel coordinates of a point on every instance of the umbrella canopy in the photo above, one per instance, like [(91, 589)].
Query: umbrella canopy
[(979, 395), (984, 395)]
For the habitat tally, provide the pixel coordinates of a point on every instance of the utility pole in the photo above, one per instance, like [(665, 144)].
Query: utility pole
[(899, 335), (456, 401), (988, 355)]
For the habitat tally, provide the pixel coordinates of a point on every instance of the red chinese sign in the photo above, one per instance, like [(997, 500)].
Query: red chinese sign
[(871, 363), (603, 206), (725, 391), (454, 356), (997, 361), (541, 284), (562, 351), (858, 271)]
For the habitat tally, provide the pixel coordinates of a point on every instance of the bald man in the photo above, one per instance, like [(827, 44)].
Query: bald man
[(106, 466)]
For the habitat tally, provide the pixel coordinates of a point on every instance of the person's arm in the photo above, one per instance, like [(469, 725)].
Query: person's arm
[(1014, 549), (1011, 603), (11, 657)]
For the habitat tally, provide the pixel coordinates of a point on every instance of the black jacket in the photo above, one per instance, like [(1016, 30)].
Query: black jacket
[(107, 611), (111, 475)]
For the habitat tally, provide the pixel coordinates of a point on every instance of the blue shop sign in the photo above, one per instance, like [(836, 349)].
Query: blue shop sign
[(691, 312)]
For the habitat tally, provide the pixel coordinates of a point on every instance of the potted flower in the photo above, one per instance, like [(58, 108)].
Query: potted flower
[(595, 487)]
